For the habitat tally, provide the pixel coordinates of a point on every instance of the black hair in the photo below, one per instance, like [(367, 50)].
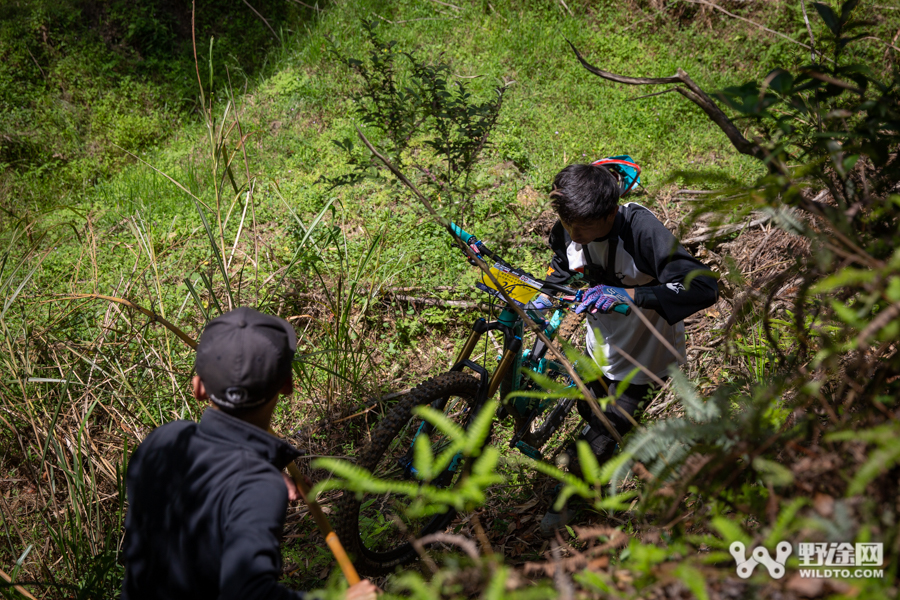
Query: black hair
[(584, 193)]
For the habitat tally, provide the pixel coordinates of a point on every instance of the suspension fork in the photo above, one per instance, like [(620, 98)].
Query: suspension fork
[(478, 329), (510, 326), (508, 323)]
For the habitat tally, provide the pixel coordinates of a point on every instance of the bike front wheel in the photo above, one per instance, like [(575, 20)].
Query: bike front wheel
[(541, 428), (376, 529)]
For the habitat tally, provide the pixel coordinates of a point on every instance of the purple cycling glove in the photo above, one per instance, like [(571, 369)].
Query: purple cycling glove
[(602, 298)]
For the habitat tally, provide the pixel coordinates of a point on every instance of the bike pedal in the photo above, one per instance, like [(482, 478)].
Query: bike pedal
[(528, 450)]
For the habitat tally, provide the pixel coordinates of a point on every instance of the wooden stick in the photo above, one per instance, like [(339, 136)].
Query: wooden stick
[(153, 316), (17, 587), (331, 538)]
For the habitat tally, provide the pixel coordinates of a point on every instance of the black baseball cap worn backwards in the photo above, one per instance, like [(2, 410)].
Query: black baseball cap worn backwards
[(244, 357)]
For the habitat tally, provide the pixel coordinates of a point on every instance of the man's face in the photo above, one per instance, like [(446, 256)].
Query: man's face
[(584, 232)]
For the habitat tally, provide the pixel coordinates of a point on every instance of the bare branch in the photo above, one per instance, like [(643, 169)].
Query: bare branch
[(692, 92), (621, 78), (709, 233), (653, 94), (256, 12), (763, 27), (812, 40)]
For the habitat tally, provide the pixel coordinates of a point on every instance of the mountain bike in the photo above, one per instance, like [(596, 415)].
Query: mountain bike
[(375, 529)]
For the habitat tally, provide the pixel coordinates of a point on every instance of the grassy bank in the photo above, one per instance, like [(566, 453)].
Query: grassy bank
[(142, 187)]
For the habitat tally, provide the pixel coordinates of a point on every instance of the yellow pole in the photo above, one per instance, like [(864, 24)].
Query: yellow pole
[(331, 538)]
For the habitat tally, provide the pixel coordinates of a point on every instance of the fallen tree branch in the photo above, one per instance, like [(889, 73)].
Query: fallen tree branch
[(708, 233), (392, 292), (438, 302)]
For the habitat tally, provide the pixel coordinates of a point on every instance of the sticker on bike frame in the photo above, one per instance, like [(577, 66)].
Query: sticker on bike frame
[(519, 287)]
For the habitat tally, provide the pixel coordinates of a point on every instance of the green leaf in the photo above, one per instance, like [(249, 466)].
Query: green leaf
[(843, 278), (845, 313), (882, 435), (480, 429), (893, 289), (693, 579), (880, 461), (781, 81), (613, 465), (423, 459), (772, 472), (560, 390), (695, 407), (729, 530), (592, 579), (590, 369), (496, 589), (785, 518), (590, 468), (846, 8), (829, 17), (440, 421), (617, 502)]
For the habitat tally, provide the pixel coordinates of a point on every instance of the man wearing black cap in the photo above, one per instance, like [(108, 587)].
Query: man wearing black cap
[(207, 500)]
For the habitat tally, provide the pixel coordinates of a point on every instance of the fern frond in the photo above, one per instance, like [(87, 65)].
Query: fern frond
[(694, 406)]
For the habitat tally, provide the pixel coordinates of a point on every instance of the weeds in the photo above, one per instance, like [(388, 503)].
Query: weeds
[(84, 379), (416, 106)]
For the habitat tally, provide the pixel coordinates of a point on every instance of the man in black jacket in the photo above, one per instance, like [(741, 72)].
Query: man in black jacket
[(207, 500), (626, 255)]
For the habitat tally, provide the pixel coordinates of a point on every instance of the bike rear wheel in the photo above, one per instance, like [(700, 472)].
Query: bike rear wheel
[(375, 529)]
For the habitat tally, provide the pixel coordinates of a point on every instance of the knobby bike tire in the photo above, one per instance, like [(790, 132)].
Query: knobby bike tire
[(369, 561)]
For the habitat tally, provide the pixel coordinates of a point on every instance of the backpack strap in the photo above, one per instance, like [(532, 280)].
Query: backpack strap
[(595, 274)]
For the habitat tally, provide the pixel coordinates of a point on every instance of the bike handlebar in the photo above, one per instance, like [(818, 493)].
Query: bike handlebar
[(466, 237), (471, 240)]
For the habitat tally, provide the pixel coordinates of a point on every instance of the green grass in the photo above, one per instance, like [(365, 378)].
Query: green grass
[(95, 220)]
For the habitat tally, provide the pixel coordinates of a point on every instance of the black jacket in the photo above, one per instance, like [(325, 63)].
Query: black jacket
[(206, 509), (648, 258)]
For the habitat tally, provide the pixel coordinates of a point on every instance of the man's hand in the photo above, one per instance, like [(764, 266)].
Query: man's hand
[(603, 298), (293, 492), (364, 590)]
